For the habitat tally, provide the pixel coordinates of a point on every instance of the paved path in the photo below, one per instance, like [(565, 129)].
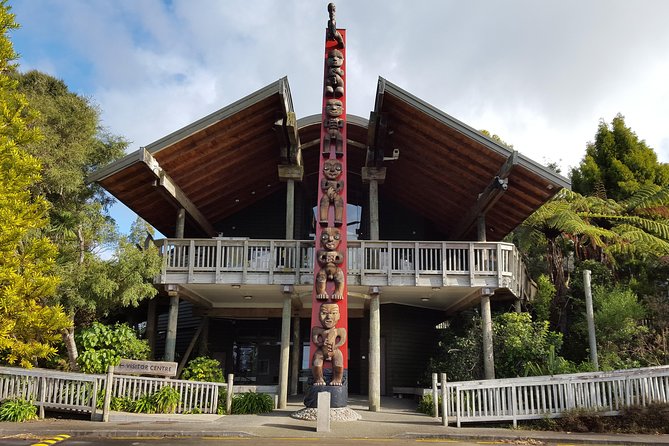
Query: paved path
[(397, 419)]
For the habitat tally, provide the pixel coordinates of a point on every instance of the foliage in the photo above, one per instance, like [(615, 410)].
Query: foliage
[(252, 403), (103, 345), (205, 369), (144, 404), (28, 327), (459, 352), (618, 164), (522, 346), (166, 399), (542, 301), (17, 410), (426, 405)]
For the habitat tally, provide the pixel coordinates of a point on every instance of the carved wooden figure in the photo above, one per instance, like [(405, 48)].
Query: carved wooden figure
[(332, 33), (331, 187), (328, 338), (330, 259), (334, 83), (333, 124)]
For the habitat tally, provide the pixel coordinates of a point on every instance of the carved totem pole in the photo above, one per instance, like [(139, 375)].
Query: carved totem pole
[(329, 315)]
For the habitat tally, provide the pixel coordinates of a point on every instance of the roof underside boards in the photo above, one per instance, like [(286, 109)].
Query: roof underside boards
[(444, 165), (228, 160), (222, 163)]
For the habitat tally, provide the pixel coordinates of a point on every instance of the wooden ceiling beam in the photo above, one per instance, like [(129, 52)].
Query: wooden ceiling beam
[(487, 199), (167, 185)]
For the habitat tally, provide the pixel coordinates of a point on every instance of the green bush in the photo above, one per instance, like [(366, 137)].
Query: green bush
[(101, 346), (17, 410), (205, 369), (145, 404), (252, 403), (166, 399), (425, 405)]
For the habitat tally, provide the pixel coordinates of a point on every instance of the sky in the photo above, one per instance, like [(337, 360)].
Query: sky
[(540, 74)]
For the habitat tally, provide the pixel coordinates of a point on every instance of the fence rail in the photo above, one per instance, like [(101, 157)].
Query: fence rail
[(50, 389), (551, 396), (398, 263)]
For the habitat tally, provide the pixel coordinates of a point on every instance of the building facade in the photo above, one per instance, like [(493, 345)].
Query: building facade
[(235, 194)]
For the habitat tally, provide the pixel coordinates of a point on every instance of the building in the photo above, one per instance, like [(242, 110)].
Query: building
[(235, 194)]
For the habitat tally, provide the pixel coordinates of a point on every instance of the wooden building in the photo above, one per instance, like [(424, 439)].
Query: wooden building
[(430, 200)]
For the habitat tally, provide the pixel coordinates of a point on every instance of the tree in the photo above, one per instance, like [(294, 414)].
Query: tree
[(28, 327), (94, 283), (617, 164)]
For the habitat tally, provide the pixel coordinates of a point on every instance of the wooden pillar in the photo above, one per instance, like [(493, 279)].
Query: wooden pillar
[(295, 355), (151, 327), (181, 223), (374, 351), (172, 318), (285, 350), (486, 314), (374, 176), (290, 174)]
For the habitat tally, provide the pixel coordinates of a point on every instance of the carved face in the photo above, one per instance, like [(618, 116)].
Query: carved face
[(332, 169), (334, 107), (330, 238), (329, 315), (335, 58)]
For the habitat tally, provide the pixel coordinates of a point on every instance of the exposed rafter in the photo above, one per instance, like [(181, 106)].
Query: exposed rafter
[(487, 198), (174, 192)]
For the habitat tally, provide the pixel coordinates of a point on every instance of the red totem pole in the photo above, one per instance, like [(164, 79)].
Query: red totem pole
[(329, 315)]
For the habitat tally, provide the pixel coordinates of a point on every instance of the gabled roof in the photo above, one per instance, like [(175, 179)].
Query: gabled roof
[(229, 160), (449, 172)]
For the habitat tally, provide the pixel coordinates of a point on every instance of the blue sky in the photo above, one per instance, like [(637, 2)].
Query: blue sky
[(539, 74)]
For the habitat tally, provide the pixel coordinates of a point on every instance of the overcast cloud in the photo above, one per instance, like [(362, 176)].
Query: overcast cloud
[(540, 74)]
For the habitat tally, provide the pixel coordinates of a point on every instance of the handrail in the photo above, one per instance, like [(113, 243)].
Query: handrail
[(451, 263), (537, 397)]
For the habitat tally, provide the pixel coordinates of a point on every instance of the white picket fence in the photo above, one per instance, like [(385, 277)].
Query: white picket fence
[(551, 396), (50, 389)]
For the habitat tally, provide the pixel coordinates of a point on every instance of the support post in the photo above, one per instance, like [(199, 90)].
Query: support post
[(151, 327), (323, 412), (374, 176), (295, 355), (172, 318), (444, 401), (480, 228), (591, 319), (486, 322), (285, 352), (181, 223), (374, 351), (228, 396), (290, 209)]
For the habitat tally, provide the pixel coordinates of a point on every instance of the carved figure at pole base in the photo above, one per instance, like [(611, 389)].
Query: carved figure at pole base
[(333, 125), (334, 83), (332, 33), (330, 259), (331, 188), (328, 338)]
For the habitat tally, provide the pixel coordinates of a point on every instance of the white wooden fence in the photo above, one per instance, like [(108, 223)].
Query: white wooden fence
[(50, 389), (551, 396)]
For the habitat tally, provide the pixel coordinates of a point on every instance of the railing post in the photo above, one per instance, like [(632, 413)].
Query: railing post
[(228, 399), (94, 398), (219, 261), (444, 401), (435, 396), (163, 272), (514, 406), (108, 393), (472, 262), (458, 409), (42, 395), (191, 261)]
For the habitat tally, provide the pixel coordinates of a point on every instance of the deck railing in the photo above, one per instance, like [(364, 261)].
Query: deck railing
[(551, 396), (397, 263)]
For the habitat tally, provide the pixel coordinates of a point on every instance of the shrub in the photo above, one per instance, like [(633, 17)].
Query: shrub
[(205, 369), (101, 346), (166, 399), (425, 405), (252, 403), (145, 404), (17, 410)]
